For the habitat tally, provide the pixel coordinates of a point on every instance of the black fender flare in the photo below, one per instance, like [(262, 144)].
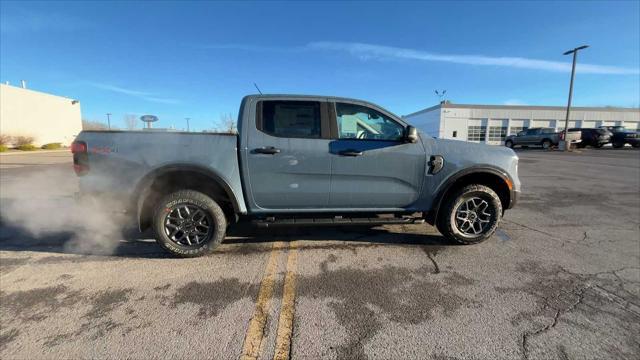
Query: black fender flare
[(477, 169), (143, 188)]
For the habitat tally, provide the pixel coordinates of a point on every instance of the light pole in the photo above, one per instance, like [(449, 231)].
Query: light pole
[(109, 120), (573, 74), (187, 123)]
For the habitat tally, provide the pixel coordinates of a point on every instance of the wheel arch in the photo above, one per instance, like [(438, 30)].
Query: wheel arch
[(495, 178), (165, 179)]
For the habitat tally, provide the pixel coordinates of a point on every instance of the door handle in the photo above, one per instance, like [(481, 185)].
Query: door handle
[(269, 150), (350, 152)]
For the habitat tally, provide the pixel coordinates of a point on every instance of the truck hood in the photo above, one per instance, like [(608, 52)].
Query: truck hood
[(472, 150)]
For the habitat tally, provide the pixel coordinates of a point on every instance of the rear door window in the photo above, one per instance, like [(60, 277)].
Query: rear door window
[(291, 119)]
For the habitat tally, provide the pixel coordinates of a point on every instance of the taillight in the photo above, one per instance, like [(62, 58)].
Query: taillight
[(78, 147), (80, 157), (562, 135)]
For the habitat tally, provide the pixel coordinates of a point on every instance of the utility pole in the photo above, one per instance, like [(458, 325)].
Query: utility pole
[(109, 120), (187, 123), (573, 74)]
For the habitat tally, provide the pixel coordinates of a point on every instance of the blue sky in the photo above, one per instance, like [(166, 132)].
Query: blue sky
[(197, 59)]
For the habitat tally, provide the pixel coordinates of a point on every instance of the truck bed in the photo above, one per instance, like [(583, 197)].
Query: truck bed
[(119, 160)]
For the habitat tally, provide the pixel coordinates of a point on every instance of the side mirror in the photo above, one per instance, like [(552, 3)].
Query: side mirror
[(411, 135)]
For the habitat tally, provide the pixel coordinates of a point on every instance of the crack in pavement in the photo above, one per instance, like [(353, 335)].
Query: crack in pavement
[(559, 292), (433, 261), (556, 318), (539, 231)]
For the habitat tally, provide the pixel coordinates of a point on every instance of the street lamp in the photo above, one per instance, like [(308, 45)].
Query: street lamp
[(573, 73), (187, 123), (109, 120)]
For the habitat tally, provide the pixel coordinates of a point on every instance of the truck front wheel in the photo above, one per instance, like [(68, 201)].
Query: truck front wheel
[(470, 215), (189, 223)]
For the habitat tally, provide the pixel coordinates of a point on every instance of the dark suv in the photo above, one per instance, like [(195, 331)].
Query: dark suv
[(622, 136), (593, 137)]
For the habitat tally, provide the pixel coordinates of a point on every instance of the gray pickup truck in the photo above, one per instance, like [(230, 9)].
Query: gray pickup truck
[(298, 160), (545, 137)]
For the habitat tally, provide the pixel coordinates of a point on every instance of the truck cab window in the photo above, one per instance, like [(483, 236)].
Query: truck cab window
[(294, 119), (360, 122)]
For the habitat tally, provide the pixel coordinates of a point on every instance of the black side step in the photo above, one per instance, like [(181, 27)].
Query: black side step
[(336, 221)]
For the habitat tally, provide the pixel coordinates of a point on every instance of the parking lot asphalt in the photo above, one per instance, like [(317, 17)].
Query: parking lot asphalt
[(559, 280)]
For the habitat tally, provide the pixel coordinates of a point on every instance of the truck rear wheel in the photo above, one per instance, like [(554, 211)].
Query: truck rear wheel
[(471, 215), (189, 223)]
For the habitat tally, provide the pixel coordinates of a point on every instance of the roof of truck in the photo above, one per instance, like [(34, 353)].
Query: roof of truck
[(319, 97), (298, 96)]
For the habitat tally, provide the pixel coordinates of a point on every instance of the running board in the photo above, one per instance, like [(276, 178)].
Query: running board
[(335, 221)]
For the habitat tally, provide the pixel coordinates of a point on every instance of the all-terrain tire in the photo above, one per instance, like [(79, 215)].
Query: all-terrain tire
[(509, 144), (546, 144), (210, 209), (446, 222)]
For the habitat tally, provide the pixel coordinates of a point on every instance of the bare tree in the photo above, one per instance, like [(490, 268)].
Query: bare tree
[(227, 124), (130, 121), (94, 125), (23, 140), (5, 139)]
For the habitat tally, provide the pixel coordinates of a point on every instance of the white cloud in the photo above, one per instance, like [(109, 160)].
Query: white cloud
[(514, 102), (136, 93), (369, 51)]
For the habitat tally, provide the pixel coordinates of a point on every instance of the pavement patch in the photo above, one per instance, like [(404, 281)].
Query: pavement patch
[(7, 337), (210, 297), (361, 299), (40, 303)]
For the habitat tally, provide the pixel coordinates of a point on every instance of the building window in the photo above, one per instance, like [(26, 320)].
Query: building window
[(476, 133), (514, 130), (497, 133), (455, 133)]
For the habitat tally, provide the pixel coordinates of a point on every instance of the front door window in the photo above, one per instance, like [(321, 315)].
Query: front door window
[(360, 122)]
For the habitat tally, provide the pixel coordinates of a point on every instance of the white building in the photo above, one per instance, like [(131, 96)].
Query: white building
[(492, 123), (45, 117)]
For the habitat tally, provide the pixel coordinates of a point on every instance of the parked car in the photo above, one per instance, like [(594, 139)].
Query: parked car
[(593, 137), (545, 137), (614, 129), (622, 136), (298, 160)]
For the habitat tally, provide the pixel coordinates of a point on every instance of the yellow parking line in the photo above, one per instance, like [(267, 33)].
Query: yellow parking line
[(255, 332), (285, 323)]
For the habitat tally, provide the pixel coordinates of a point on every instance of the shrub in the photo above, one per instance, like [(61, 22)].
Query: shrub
[(22, 140), (3, 148), (52, 146), (5, 140), (27, 147)]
